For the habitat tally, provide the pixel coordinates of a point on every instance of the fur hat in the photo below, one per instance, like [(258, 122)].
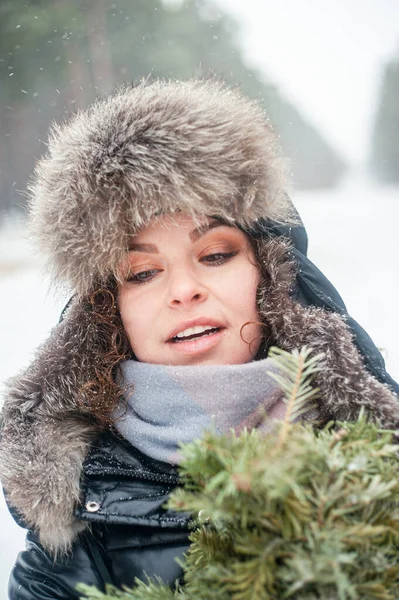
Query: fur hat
[(161, 147)]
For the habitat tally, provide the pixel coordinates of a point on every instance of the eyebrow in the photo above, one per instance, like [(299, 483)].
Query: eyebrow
[(197, 233), (194, 235), (149, 248)]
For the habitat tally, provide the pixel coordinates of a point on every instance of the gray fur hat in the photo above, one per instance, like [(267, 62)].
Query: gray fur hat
[(161, 147)]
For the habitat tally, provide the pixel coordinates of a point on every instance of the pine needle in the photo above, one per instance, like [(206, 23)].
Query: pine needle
[(295, 372)]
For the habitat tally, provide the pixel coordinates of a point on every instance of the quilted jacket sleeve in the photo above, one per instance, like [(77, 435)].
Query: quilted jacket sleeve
[(37, 576)]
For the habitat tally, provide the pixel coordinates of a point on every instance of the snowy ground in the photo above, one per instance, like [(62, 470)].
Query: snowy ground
[(353, 236)]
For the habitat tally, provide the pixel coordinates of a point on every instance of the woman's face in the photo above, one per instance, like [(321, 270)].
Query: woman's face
[(188, 294)]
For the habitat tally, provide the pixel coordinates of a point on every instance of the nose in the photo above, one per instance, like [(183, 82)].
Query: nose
[(185, 288)]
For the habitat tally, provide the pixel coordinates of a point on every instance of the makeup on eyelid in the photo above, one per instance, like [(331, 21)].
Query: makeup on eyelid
[(225, 248)]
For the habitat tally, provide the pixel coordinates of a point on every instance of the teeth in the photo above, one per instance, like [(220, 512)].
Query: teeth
[(194, 330)]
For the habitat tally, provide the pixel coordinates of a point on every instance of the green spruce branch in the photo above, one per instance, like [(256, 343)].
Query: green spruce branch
[(298, 513)]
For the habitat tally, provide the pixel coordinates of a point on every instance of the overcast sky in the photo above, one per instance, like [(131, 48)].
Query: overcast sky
[(326, 56)]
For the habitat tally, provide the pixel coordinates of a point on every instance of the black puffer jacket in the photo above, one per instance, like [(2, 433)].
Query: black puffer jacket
[(123, 492), (131, 534)]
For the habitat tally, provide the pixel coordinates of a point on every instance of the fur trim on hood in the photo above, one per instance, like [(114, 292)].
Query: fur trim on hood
[(46, 430), (157, 148)]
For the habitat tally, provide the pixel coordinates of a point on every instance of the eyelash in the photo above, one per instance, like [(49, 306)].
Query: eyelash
[(136, 278), (222, 257)]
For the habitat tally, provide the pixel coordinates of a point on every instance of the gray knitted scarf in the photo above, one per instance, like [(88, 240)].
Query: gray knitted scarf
[(167, 405)]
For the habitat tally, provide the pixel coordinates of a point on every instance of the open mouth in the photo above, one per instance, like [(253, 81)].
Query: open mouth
[(188, 335)]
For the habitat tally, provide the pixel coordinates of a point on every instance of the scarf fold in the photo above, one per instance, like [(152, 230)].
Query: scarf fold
[(168, 405)]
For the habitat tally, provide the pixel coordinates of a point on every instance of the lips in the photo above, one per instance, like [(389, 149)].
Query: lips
[(193, 333), (194, 329)]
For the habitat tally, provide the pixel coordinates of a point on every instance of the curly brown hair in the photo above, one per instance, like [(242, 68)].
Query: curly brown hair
[(101, 393)]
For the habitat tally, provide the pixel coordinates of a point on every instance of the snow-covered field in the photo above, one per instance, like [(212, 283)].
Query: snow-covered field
[(353, 233)]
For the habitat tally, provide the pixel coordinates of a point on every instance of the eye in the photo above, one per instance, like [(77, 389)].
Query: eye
[(142, 276), (218, 258)]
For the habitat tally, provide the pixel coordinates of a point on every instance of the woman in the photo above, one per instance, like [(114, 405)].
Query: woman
[(164, 209)]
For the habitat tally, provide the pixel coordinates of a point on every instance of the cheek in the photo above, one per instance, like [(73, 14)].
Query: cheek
[(243, 291), (246, 312), (133, 317)]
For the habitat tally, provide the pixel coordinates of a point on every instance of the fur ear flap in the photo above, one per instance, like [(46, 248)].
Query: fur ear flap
[(40, 472), (46, 432), (345, 384)]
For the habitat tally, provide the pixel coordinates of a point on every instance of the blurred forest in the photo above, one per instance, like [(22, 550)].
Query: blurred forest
[(57, 56), (385, 143)]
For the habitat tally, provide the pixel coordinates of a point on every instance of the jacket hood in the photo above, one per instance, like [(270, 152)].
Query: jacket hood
[(161, 147), (46, 429)]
